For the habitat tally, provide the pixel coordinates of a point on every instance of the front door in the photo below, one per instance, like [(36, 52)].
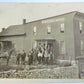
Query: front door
[(50, 46), (46, 44)]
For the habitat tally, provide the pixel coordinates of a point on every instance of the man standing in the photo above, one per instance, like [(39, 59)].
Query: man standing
[(23, 57), (51, 57), (30, 57), (46, 57), (40, 57), (35, 56), (18, 57)]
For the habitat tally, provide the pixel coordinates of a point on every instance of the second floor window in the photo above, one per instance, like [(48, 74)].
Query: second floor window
[(62, 28), (49, 29), (34, 30), (80, 26)]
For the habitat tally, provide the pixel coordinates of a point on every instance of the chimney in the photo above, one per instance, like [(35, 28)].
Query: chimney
[(3, 29), (24, 21)]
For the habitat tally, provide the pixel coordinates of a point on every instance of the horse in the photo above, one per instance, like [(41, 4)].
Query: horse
[(6, 55), (9, 55)]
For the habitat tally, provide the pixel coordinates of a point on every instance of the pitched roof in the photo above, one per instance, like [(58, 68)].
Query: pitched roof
[(13, 30), (54, 16), (19, 29)]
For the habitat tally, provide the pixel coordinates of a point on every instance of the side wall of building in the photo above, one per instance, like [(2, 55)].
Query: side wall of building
[(79, 34)]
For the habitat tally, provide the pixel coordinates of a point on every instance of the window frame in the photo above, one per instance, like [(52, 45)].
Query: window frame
[(80, 26), (34, 30), (62, 27), (81, 46), (49, 29)]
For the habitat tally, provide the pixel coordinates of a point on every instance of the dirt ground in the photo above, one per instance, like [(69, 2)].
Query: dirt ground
[(38, 72)]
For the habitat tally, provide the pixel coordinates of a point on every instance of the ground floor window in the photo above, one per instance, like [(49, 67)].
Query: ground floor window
[(82, 47), (62, 47)]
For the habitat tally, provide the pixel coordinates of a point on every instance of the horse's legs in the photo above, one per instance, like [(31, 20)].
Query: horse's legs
[(18, 61)]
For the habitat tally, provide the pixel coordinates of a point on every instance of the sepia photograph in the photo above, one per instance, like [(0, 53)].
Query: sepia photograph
[(42, 40)]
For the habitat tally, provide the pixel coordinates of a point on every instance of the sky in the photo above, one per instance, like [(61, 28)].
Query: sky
[(14, 13)]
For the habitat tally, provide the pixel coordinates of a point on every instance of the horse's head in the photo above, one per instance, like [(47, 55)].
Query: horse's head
[(11, 51)]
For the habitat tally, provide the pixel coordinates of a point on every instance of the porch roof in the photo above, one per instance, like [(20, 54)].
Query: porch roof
[(45, 39), (13, 30), (80, 57)]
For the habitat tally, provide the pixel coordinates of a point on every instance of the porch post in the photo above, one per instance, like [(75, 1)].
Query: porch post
[(1, 46), (46, 44)]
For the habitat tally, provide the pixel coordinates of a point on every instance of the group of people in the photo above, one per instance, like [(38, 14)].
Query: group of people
[(20, 57), (35, 56), (40, 56)]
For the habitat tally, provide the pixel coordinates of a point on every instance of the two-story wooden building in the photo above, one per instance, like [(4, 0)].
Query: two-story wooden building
[(63, 34)]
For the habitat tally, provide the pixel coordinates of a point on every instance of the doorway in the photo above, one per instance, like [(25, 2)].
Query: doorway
[(47, 44)]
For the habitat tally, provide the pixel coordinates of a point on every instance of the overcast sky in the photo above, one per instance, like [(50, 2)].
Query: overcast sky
[(13, 13)]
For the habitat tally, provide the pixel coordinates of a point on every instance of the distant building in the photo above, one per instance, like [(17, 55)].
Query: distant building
[(63, 34)]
